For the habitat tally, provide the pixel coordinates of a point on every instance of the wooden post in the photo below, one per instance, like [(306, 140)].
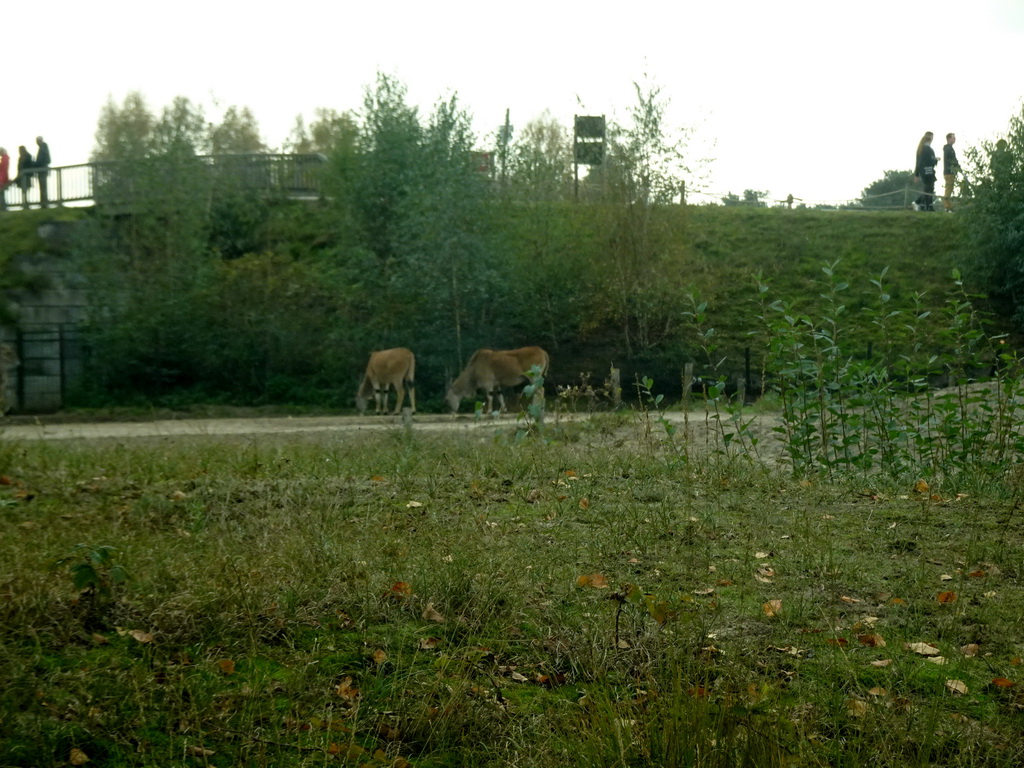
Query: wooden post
[(687, 384), (616, 385), (741, 391)]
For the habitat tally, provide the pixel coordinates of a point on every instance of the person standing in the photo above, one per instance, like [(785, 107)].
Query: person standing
[(925, 170), (24, 177), (950, 167), (5, 176), (42, 169)]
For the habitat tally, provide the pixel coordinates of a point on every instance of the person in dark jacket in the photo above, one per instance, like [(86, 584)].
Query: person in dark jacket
[(24, 178), (925, 170), (950, 167), (42, 169)]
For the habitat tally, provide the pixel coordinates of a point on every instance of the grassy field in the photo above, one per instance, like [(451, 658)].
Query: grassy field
[(600, 597)]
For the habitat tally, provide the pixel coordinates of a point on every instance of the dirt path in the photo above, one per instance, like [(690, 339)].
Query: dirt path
[(238, 426)]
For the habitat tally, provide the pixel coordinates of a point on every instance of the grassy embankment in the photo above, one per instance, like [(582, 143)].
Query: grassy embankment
[(396, 598)]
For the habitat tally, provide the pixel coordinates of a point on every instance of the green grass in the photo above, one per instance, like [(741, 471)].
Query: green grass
[(376, 599)]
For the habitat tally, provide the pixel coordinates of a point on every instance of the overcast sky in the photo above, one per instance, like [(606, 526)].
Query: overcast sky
[(809, 97)]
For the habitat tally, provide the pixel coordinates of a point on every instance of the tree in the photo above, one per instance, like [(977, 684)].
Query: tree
[(645, 166), (994, 215), (329, 132), (181, 130), (237, 132), (540, 161), (890, 191), (124, 131)]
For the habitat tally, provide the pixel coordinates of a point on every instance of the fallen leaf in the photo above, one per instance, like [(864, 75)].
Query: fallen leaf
[(878, 691), (840, 641), (846, 599), (378, 478), (872, 640), (550, 681), (401, 589), (924, 649), (179, 495), (921, 487), (226, 666), (584, 503), (519, 678), (945, 577), (701, 592), (970, 650), (957, 687), (199, 751), (595, 580), (378, 656), (99, 639), (533, 496), (881, 663), (979, 574), (429, 643), (1002, 682), (772, 608), (346, 690), (762, 555), (939, 660), (142, 637), (431, 614), (414, 504), (78, 757), (946, 597), (856, 707)]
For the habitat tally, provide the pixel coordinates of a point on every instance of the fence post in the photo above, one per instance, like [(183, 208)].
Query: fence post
[(687, 384), (616, 385)]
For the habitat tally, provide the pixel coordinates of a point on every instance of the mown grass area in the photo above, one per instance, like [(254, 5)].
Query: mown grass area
[(479, 599)]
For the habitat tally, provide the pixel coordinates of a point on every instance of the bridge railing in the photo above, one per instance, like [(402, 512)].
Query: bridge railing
[(124, 183)]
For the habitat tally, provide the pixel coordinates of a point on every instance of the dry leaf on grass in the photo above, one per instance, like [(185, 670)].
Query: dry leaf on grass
[(595, 580), (432, 614), (346, 690), (872, 641), (772, 608), (957, 687), (924, 649), (77, 757)]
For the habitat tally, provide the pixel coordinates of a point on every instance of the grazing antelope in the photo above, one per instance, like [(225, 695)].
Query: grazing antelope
[(387, 369), (490, 370)]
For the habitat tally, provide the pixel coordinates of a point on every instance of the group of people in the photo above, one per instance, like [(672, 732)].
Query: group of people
[(925, 171), (29, 167)]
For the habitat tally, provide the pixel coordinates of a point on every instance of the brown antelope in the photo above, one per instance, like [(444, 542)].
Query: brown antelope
[(490, 370), (8, 359), (388, 369)]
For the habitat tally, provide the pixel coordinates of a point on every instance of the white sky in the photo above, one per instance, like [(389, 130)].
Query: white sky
[(810, 97)]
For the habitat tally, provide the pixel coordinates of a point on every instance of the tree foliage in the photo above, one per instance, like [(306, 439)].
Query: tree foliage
[(890, 191), (994, 189)]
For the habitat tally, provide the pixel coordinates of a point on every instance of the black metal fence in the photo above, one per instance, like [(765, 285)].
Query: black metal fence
[(50, 360), (121, 183)]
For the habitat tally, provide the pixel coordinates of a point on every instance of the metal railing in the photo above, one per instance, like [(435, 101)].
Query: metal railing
[(123, 183)]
